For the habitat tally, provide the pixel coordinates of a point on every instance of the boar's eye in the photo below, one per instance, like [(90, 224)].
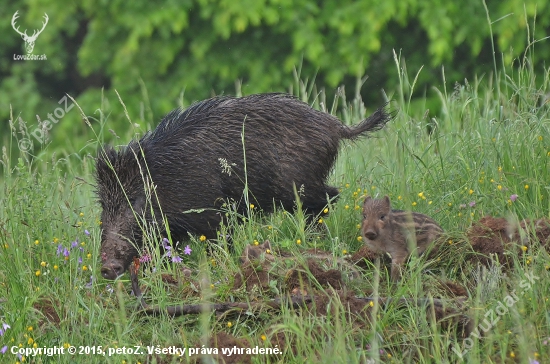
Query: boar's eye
[(383, 217)]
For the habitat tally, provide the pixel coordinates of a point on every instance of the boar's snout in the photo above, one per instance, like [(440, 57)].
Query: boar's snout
[(371, 234), (112, 269)]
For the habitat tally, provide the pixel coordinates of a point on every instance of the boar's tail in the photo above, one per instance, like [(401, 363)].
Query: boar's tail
[(374, 122)]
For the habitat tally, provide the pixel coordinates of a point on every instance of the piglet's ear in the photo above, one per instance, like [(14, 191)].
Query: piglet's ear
[(387, 201), (266, 245)]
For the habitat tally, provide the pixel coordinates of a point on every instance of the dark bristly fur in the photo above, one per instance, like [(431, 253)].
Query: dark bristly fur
[(286, 143), (396, 231)]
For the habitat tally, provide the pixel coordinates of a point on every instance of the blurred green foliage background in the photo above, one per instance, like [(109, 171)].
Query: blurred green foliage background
[(162, 54)]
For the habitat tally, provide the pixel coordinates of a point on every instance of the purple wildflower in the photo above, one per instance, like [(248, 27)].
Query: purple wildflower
[(1, 332), (532, 361), (513, 197), (5, 326), (87, 232), (79, 260), (187, 250), (89, 284), (168, 252), (4, 349), (145, 258), (74, 244), (176, 259), (59, 249), (66, 252), (472, 204)]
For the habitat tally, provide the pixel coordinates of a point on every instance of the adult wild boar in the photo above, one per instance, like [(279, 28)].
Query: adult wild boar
[(195, 160)]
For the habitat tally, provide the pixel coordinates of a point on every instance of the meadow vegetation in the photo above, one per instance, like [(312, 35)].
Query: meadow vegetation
[(486, 153)]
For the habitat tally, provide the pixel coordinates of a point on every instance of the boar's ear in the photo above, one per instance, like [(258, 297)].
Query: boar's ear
[(106, 157), (266, 245), (387, 201), (367, 199), (248, 254)]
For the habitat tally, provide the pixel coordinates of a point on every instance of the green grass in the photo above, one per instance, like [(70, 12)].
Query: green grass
[(488, 143)]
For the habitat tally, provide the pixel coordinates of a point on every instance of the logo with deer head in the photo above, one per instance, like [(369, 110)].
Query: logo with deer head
[(29, 40)]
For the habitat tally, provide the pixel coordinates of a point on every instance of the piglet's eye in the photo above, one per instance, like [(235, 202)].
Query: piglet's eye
[(383, 217)]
